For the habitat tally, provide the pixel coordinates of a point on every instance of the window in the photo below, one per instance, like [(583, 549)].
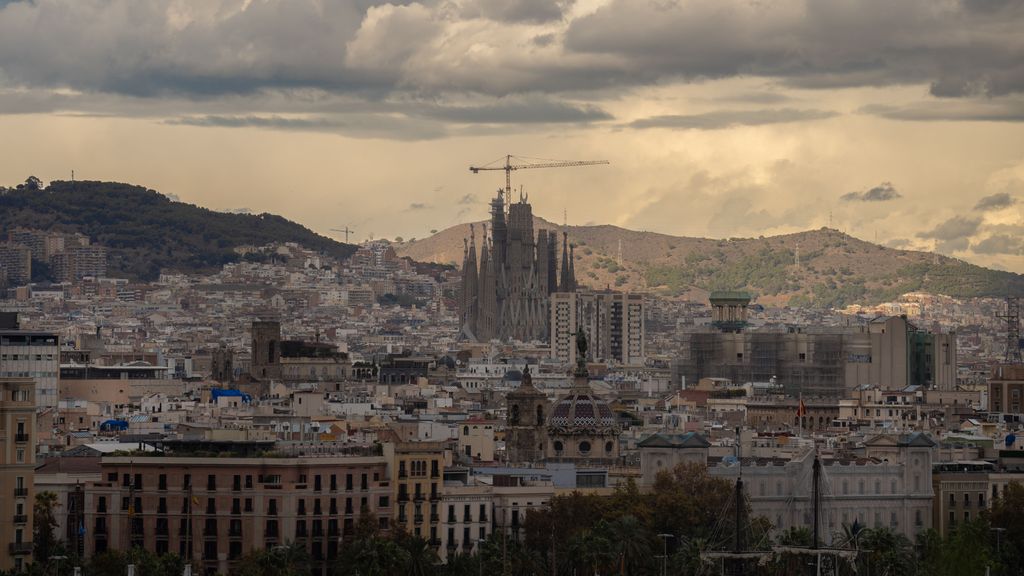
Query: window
[(211, 482), (363, 484), (272, 507), (162, 482), (348, 481), (248, 504), (918, 518), (584, 447)]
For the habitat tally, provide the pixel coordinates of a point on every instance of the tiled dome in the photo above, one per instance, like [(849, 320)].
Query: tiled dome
[(581, 411)]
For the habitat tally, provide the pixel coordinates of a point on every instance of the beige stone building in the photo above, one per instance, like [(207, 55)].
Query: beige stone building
[(476, 439), (214, 510), (888, 486), (665, 451), (417, 470), (17, 471)]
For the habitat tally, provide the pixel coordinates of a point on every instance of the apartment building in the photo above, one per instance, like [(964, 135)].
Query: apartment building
[(613, 321), (36, 355), (17, 469), (418, 472), (214, 510)]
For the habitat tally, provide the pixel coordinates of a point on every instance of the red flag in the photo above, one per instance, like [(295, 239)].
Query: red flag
[(801, 410)]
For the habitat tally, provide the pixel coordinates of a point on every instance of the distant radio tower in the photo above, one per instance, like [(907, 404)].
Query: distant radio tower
[(797, 253)]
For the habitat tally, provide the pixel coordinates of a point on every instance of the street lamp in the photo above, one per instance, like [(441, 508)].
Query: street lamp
[(480, 556), (665, 550), (57, 559)]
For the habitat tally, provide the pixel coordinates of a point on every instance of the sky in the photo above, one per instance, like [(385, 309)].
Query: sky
[(896, 122)]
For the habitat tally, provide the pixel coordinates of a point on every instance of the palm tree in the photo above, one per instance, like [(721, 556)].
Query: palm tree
[(421, 557), (631, 543)]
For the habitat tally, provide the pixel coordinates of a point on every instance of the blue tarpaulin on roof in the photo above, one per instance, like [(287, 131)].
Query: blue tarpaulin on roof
[(221, 393), (114, 425)]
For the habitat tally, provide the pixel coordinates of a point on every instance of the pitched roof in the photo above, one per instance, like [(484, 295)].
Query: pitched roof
[(688, 440)]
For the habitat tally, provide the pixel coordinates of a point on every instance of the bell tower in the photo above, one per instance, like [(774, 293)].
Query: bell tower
[(526, 422)]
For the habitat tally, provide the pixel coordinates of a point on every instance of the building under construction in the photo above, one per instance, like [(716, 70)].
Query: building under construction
[(888, 352), (506, 290)]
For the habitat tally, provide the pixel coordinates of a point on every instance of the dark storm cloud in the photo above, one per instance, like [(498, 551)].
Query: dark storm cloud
[(954, 229), (996, 201), (1000, 244), (995, 110), (528, 110), (729, 118), (844, 43), (881, 193), (153, 48), (517, 10), (356, 126)]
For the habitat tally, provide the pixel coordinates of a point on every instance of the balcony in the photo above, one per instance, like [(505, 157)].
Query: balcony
[(19, 548), (418, 518), (435, 542), (21, 438), (20, 492), (20, 518), (403, 497), (435, 497)]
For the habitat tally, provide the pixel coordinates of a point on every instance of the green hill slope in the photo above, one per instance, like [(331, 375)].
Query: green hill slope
[(146, 232)]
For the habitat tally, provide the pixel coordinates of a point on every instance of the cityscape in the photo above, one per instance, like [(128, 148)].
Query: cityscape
[(751, 306)]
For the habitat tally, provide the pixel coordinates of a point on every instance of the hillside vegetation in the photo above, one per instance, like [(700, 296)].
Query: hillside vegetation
[(834, 269), (146, 231)]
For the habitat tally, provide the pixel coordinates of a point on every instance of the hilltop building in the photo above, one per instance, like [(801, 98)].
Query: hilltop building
[(505, 295)]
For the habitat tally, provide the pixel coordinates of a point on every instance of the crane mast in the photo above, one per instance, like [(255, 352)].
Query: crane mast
[(511, 163)]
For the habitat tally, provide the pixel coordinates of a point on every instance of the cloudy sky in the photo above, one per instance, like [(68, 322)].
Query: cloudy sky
[(899, 121)]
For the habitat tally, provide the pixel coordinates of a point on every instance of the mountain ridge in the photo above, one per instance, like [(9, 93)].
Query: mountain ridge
[(822, 267), (146, 231)]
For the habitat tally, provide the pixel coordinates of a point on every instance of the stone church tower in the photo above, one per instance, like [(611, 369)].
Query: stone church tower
[(525, 425)]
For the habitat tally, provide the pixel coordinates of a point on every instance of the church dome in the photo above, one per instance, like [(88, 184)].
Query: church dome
[(582, 411)]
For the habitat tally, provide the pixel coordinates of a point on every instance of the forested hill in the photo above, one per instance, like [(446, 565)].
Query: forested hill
[(146, 231), (821, 268)]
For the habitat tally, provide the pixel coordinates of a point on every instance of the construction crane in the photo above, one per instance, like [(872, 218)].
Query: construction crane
[(522, 163), (346, 231)]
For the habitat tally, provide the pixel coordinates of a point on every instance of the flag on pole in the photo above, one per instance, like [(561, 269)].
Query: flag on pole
[(801, 409)]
